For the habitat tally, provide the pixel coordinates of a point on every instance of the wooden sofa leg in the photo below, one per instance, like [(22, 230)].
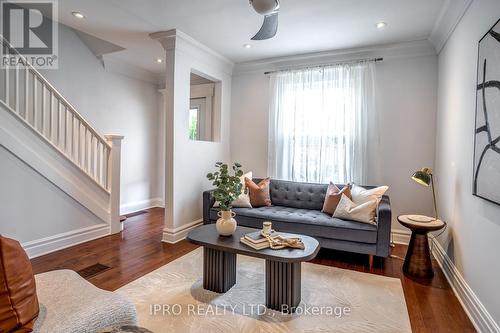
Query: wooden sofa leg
[(370, 261)]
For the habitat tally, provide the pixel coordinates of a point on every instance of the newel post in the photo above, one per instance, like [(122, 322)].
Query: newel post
[(115, 141)]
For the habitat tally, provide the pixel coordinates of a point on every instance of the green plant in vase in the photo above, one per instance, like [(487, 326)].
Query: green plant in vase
[(227, 189)]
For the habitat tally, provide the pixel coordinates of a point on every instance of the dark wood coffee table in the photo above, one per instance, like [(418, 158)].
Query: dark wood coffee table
[(283, 267)]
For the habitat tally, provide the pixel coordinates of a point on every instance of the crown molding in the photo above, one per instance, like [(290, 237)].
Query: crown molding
[(177, 40), (387, 51), (448, 19)]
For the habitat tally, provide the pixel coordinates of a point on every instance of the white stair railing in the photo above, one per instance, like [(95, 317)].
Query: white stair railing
[(31, 98)]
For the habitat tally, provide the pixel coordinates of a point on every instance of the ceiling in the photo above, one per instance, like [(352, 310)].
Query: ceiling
[(225, 25)]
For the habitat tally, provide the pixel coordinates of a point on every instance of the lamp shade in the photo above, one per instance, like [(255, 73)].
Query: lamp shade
[(264, 7), (423, 177)]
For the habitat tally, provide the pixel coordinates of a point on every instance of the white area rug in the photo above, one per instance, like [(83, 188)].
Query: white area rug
[(172, 299)]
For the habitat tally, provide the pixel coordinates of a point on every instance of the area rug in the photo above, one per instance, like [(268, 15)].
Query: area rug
[(172, 299)]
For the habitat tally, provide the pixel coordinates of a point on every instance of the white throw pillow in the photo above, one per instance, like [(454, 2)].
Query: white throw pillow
[(348, 210), (361, 195), (243, 200)]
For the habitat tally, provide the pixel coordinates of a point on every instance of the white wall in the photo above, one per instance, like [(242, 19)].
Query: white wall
[(472, 240), (249, 122), (188, 161), (113, 104), (406, 103), (32, 207)]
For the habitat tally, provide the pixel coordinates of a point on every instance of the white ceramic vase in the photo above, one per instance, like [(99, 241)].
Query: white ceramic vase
[(226, 224)]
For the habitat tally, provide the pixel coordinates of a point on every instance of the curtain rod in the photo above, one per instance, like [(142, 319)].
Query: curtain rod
[(325, 65)]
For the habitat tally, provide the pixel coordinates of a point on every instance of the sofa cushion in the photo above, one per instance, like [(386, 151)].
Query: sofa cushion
[(304, 221)]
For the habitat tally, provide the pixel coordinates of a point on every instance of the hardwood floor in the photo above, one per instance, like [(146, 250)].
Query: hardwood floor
[(138, 250), (131, 254)]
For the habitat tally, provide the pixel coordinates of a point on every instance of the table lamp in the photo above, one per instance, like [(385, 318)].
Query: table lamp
[(425, 177)]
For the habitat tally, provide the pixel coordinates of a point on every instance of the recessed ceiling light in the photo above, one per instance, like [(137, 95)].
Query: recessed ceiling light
[(247, 46), (381, 25), (78, 15), (159, 60)]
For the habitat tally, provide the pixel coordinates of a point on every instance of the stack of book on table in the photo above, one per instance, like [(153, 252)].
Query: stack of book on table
[(256, 241)]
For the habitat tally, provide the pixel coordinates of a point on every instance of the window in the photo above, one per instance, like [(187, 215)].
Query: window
[(193, 123), (318, 123), (204, 111)]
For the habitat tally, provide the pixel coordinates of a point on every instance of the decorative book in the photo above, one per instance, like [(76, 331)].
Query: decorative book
[(260, 246), (274, 240), (256, 241), (257, 238)]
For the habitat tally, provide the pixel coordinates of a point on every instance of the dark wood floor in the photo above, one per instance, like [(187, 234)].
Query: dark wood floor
[(138, 250)]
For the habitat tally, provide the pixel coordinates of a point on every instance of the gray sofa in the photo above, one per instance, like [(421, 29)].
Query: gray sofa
[(297, 209)]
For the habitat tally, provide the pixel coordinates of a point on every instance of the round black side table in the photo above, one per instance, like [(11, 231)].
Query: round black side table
[(418, 262)]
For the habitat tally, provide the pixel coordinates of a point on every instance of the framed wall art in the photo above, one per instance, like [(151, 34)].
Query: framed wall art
[(487, 129)]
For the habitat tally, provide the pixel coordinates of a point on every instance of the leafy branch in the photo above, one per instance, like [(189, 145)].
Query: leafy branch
[(227, 185)]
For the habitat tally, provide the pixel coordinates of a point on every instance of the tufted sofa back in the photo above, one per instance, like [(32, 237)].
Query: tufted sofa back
[(297, 195)]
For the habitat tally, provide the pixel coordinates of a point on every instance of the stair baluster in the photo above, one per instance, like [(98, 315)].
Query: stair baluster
[(46, 112)]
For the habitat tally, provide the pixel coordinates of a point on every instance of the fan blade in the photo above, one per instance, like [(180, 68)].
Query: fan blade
[(269, 27)]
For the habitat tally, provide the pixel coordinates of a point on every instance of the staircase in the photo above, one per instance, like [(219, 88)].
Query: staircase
[(40, 127)]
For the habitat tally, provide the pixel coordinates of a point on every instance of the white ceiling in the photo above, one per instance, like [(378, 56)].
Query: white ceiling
[(225, 25)]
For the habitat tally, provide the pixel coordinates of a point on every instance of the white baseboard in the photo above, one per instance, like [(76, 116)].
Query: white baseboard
[(480, 317), (133, 207), (401, 237), (173, 236), (49, 244)]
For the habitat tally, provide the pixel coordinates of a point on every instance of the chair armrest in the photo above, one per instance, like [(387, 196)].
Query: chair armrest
[(208, 203), (384, 222)]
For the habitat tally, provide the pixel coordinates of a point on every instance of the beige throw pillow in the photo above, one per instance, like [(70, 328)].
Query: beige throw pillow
[(348, 210), (361, 195), (243, 200)]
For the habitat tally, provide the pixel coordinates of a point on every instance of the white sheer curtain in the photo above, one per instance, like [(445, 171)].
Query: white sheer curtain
[(318, 126)]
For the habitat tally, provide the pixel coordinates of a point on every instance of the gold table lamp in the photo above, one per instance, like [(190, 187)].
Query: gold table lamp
[(425, 177)]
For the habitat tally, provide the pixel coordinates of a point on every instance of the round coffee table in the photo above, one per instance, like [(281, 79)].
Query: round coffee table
[(418, 262)]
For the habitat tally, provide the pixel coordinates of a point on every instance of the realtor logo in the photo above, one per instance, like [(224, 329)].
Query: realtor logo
[(29, 31)]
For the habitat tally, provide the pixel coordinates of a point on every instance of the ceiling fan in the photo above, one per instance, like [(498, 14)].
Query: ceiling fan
[(270, 9)]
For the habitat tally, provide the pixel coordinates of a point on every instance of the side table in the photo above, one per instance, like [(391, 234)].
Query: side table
[(418, 262)]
